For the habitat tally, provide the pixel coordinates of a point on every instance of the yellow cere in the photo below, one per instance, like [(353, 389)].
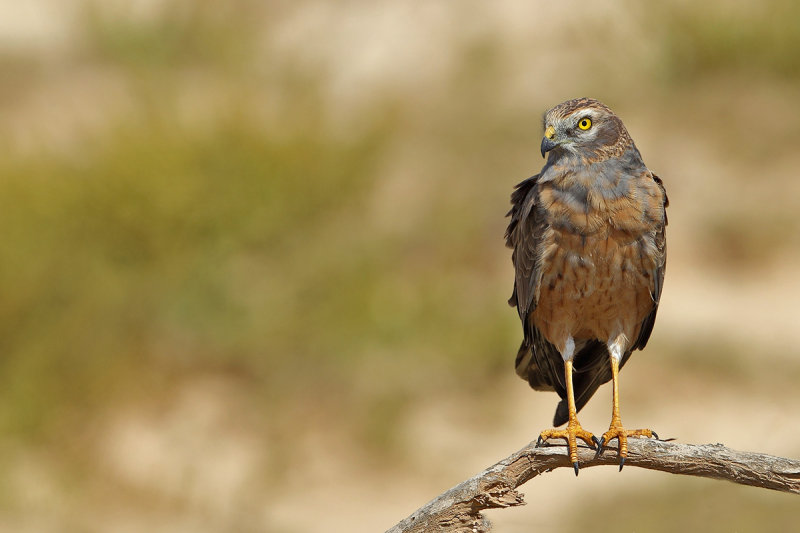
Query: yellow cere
[(585, 123), (550, 132)]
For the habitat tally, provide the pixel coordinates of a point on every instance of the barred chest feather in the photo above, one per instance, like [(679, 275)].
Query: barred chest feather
[(598, 256)]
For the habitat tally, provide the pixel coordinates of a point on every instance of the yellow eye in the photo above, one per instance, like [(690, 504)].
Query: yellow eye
[(585, 123)]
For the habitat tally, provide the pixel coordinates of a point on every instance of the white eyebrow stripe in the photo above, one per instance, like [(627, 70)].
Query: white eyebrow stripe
[(585, 112)]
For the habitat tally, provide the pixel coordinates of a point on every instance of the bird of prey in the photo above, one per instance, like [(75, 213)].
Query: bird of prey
[(589, 252)]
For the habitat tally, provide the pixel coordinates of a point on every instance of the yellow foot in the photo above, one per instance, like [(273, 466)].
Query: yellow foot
[(616, 431), (571, 434)]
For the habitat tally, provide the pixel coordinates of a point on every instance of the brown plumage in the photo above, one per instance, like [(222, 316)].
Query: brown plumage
[(589, 257)]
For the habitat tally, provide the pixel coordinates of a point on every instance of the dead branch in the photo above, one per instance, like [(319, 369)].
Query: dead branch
[(459, 509)]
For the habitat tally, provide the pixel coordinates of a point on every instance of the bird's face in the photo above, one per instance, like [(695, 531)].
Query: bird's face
[(583, 127)]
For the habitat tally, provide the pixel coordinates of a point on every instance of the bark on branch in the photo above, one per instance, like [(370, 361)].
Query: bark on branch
[(459, 509)]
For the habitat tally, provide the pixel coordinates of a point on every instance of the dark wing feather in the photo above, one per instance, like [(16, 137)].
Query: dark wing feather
[(537, 361), (661, 242), (523, 235)]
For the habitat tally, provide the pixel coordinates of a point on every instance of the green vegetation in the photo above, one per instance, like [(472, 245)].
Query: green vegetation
[(158, 252)]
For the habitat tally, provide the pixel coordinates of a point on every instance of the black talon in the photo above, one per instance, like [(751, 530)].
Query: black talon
[(621, 463), (575, 466), (655, 435), (600, 444), (596, 442), (539, 442)]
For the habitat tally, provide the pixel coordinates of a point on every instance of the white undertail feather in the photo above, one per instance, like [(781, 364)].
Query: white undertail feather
[(617, 346), (569, 349)]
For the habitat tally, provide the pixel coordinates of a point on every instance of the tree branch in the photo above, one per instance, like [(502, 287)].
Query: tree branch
[(459, 509)]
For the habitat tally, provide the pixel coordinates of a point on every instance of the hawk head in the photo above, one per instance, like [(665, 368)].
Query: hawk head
[(586, 128)]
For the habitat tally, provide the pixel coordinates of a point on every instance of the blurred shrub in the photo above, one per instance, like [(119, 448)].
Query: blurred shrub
[(135, 259), (178, 34), (706, 40)]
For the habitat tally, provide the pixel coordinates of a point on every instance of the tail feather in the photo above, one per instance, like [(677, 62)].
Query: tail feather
[(528, 369)]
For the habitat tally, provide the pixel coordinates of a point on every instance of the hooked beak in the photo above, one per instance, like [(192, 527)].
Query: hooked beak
[(547, 142)]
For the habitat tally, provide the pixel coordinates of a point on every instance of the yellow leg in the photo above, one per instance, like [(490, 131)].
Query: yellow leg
[(573, 431), (615, 429)]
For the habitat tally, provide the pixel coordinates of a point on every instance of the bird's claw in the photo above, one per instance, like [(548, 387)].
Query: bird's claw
[(600, 443), (616, 431), (572, 433)]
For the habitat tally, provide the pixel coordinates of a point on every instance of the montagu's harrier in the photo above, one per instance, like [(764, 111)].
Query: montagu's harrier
[(589, 257)]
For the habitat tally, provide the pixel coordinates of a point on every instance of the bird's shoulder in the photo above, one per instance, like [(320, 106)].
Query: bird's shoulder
[(523, 199), (586, 199)]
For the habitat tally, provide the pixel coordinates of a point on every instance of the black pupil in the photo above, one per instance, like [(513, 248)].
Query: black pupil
[(583, 123)]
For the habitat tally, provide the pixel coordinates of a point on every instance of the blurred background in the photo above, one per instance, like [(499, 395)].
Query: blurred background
[(252, 272)]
